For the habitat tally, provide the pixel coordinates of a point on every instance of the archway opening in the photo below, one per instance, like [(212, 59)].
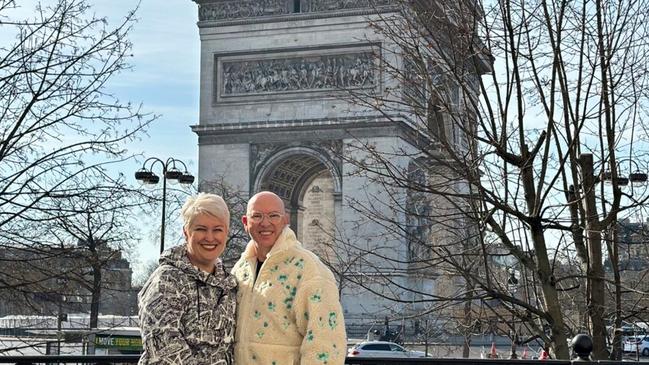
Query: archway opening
[(308, 189)]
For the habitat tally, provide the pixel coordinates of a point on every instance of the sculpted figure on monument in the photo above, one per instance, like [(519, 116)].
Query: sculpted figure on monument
[(303, 81)]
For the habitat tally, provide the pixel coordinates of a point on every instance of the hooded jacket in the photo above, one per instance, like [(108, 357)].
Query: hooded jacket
[(291, 313), (187, 315)]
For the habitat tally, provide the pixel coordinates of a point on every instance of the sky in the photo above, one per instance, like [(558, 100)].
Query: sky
[(164, 79)]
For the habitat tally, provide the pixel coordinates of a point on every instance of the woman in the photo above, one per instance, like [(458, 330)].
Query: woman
[(187, 307)]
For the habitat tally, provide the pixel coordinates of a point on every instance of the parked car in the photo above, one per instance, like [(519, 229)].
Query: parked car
[(381, 349), (637, 344)]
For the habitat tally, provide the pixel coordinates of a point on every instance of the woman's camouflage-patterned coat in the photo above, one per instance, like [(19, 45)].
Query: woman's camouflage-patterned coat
[(187, 316)]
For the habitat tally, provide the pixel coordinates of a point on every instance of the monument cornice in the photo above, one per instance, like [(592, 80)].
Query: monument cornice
[(289, 130), (210, 15)]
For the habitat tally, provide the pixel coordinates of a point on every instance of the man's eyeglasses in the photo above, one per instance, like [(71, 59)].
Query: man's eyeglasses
[(273, 217)]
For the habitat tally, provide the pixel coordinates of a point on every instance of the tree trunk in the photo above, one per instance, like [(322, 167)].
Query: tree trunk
[(616, 353), (96, 295), (595, 268), (558, 337), (468, 322)]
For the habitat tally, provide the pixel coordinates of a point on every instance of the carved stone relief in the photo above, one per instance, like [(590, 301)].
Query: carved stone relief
[(259, 153), (291, 74), (329, 5), (247, 9), (237, 9)]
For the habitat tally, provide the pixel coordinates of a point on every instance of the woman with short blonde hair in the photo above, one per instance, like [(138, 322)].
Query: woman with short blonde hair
[(187, 307)]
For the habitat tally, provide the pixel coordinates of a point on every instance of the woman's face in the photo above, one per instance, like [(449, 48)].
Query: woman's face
[(206, 238)]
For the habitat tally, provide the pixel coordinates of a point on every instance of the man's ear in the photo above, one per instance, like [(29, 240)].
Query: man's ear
[(244, 220)]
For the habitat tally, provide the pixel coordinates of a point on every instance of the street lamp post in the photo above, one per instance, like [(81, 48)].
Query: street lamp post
[(512, 285), (60, 317), (169, 172), (594, 227)]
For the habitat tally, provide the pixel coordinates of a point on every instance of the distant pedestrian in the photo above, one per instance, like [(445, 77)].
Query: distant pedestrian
[(187, 307), (289, 309)]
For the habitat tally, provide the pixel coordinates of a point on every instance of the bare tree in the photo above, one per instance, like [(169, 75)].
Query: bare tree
[(58, 118), (60, 131), (511, 110), (101, 227)]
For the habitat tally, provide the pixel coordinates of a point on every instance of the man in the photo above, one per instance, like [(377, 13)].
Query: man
[(288, 306)]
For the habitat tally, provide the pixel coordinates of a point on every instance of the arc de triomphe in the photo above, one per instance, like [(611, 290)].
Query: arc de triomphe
[(271, 118)]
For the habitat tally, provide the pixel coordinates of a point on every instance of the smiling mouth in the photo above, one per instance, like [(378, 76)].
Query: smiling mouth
[(210, 246)]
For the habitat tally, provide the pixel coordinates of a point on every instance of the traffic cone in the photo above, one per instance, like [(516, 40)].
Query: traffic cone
[(544, 355), (493, 354), (524, 355)]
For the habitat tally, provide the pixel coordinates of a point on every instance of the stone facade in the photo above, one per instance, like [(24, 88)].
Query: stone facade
[(633, 245), (273, 116), (60, 276)]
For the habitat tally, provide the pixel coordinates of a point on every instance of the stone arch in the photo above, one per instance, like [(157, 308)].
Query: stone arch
[(301, 176)]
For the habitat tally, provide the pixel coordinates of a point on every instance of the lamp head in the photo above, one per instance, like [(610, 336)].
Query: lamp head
[(186, 178), (173, 175), (146, 177), (622, 180), (152, 180), (638, 177), (606, 175)]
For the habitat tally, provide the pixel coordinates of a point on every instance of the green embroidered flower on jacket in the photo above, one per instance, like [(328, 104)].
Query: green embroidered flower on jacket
[(309, 336), (271, 306), (288, 302), (323, 356), (333, 319), (300, 263), (315, 298)]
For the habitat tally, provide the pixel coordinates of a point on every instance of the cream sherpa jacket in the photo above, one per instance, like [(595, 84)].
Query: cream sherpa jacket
[(291, 314)]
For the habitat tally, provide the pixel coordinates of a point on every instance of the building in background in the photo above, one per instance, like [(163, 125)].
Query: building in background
[(633, 244), (58, 280)]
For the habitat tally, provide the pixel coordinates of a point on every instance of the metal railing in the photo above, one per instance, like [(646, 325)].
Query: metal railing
[(133, 359), (70, 359)]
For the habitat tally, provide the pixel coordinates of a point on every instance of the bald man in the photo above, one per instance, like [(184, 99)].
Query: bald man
[(288, 310)]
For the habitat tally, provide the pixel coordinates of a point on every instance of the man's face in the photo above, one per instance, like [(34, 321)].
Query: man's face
[(265, 219)]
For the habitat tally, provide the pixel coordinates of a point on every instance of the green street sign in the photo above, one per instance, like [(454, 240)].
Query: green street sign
[(118, 342)]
